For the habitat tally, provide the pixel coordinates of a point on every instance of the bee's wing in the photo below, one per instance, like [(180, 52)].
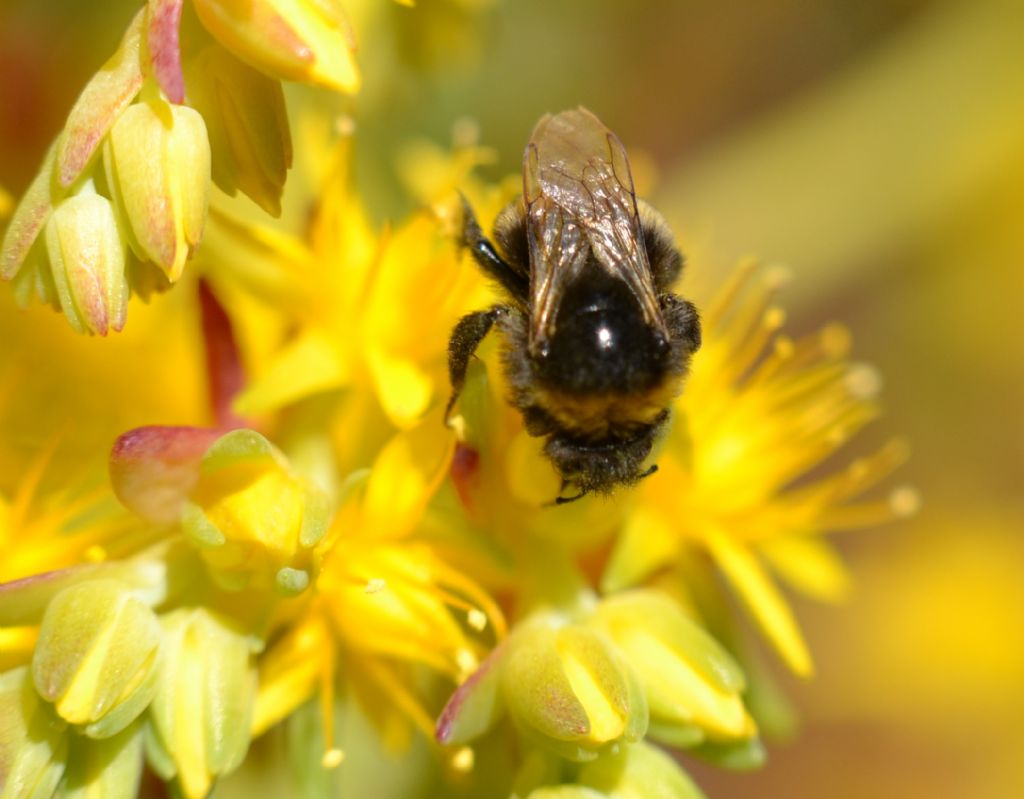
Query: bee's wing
[(580, 199)]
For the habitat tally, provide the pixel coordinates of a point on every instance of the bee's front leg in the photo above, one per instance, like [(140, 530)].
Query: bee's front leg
[(514, 279), (465, 338)]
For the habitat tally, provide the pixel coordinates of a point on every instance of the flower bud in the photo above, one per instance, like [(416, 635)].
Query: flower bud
[(87, 259), (96, 655), (157, 158), (300, 40), (33, 741), (569, 688), (247, 122), (692, 685), (110, 768), (638, 770), (201, 714), (565, 792), (104, 99), (475, 706), (254, 522)]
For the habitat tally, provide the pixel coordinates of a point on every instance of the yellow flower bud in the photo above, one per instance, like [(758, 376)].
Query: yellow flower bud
[(254, 522), (96, 655), (692, 685), (157, 158), (201, 714), (301, 40), (87, 261), (33, 741), (246, 118)]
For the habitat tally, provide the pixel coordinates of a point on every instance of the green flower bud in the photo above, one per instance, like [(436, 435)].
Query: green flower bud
[(96, 655), (33, 741), (639, 771), (87, 262), (157, 158), (565, 792), (692, 685), (200, 718), (566, 687), (253, 520), (110, 768)]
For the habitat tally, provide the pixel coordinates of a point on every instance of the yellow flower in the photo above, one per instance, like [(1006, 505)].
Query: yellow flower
[(358, 299), (390, 603), (759, 413)]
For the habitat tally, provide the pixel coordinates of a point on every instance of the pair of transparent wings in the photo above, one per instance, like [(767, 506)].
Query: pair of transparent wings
[(580, 200)]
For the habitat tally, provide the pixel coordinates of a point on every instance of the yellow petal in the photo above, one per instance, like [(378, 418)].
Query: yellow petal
[(810, 565), (762, 599), (646, 543), (405, 476), (310, 364), (405, 390), (245, 115)]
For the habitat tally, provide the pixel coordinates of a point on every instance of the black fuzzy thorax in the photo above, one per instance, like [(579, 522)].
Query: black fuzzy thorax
[(601, 342)]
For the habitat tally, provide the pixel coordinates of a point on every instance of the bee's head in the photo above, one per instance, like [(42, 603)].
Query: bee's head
[(602, 467)]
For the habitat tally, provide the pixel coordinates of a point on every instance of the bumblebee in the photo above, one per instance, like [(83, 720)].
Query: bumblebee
[(595, 344)]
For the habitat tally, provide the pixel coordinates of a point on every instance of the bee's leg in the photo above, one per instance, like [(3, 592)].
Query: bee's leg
[(465, 338), (562, 500), (514, 280), (653, 468)]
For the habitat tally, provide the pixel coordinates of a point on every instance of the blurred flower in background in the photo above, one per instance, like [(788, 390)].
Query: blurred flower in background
[(279, 573)]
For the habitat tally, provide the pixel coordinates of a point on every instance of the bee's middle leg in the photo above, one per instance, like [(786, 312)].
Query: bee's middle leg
[(465, 338)]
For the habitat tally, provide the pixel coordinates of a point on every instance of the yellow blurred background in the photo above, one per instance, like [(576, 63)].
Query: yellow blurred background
[(874, 148)]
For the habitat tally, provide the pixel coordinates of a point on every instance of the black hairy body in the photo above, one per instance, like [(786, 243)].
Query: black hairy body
[(595, 344)]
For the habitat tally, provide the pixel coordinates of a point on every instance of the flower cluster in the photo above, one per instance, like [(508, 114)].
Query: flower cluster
[(192, 94), (328, 567)]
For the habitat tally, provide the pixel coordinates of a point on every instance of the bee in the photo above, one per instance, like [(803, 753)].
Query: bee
[(595, 344)]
